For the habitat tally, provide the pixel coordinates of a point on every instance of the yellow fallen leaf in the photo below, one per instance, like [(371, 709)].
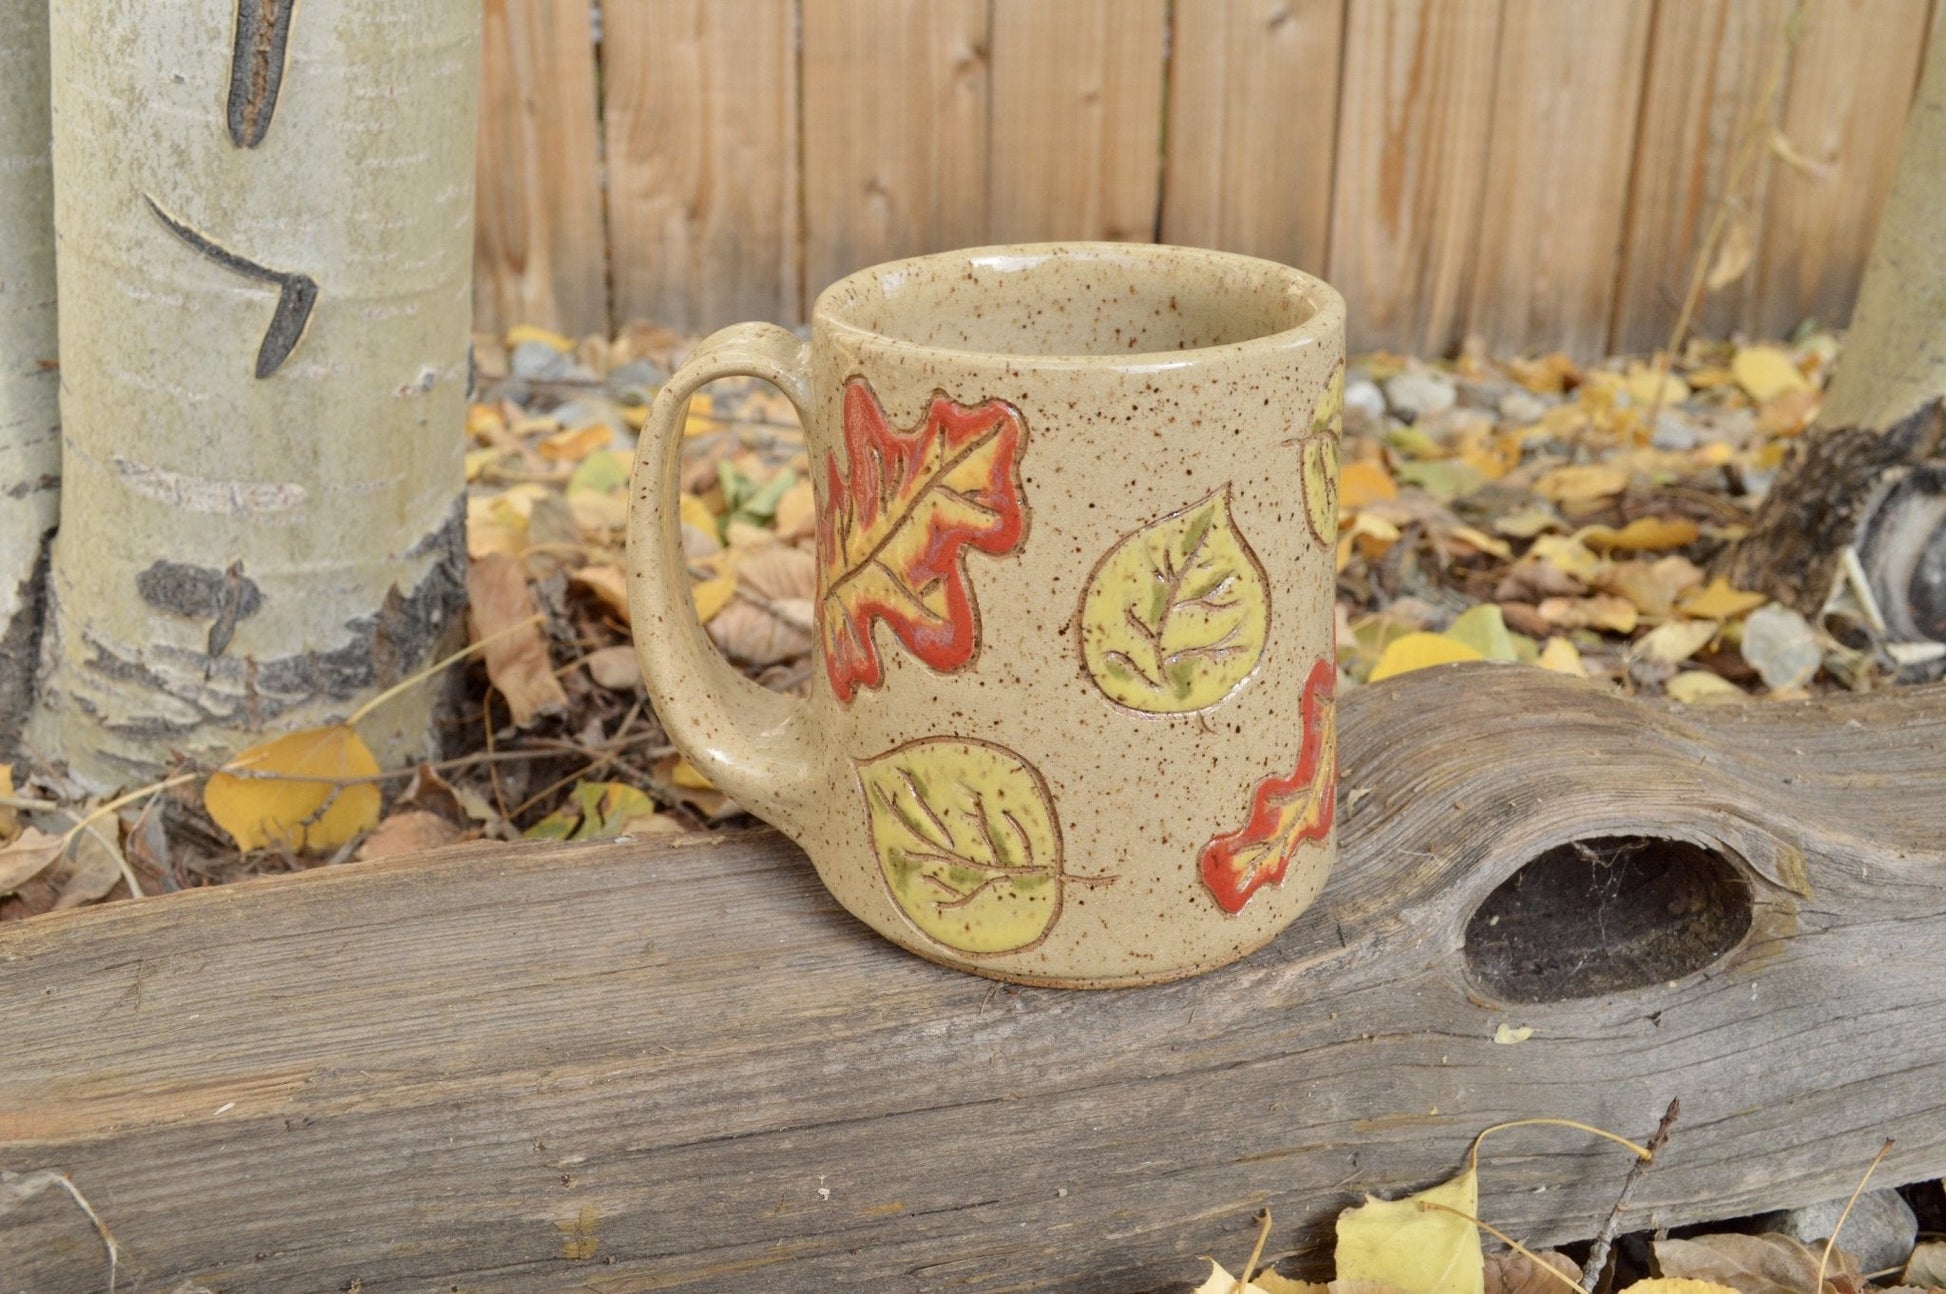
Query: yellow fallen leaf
[(1420, 651), (1641, 535), (1602, 611), (1582, 484), (608, 584), (1676, 641), (1371, 536), (1700, 687), (1652, 586), (797, 512), (1641, 386), (713, 594), (1481, 541), (576, 443), (1714, 454), (1565, 553), (1416, 1249), (9, 817), (1720, 602), (1364, 482), (700, 420), (1483, 629), (1525, 523), (484, 422), (695, 512), (1765, 372), (493, 526), (1221, 1282), (1562, 657), (688, 776), (529, 332), (596, 514), (1507, 1035), (1676, 1285), (302, 807)]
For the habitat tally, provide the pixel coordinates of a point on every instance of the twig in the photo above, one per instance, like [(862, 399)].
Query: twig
[(15, 1187), (1824, 1259), (1598, 1251), (27, 802)]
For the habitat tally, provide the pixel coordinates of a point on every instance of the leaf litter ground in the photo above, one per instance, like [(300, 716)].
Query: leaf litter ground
[(1532, 511)]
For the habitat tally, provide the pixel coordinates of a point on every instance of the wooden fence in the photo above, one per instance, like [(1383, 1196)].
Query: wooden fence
[(1536, 172)]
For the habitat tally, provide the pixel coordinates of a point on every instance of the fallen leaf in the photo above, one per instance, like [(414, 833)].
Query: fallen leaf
[(604, 473), (1271, 1283), (1562, 657), (1527, 522), (1677, 1285), (695, 512), (1720, 602), (1420, 1250), (1582, 484), (1766, 372), (1419, 651), (1733, 254), (1532, 578), (615, 668), (576, 443), (607, 583), (710, 803), (1927, 1266), (1781, 646), (1567, 554), (1642, 534), (304, 808), (1513, 1273), (412, 832), (1443, 478), (92, 868), (771, 617), (1507, 1035), (688, 776), (713, 594), (1641, 384), (1652, 586), (1674, 642), (27, 857), (1364, 482), (597, 811), (529, 332), (1602, 611), (797, 513), (9, 816), (1482, 629), (1221, 1282), (1788, 414), (1770, 1263), (516, 660)]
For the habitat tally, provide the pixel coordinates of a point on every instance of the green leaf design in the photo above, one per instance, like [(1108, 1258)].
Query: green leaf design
[(1176, 615), (967, 842)]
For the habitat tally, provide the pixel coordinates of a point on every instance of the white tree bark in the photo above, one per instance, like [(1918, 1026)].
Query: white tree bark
[(30, 434), (265, 215)]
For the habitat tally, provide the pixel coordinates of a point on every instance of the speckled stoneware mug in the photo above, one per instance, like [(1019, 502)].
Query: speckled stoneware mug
[(1071, 717)]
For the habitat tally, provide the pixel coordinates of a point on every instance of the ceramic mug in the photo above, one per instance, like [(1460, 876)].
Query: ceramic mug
[(1071, 717)]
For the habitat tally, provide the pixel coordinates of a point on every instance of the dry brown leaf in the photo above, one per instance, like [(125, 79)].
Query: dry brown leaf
[(1927, 1266), (1512, 1273), (615, 668), (92, 868), (411, 832), (1582, 484), (516, 659), (1531, 579), (797, 513), (1763, 1264), (608, 584), (1652, 586), (27, 857), (457, 804), (1602, 611), (771, 618)]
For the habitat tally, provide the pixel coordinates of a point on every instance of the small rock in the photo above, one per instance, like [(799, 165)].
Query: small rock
[(1782, 647), (643, 374), (576, 414), (1364, 407), (1523, 406), (1880, 1232), (536, 361), (1482, 392), (1417, 392), (1674, 432), (1449, 425)]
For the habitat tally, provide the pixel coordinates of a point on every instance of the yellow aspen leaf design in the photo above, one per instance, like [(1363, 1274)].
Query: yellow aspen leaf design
[(1318, 451), (967, 842), (1175, 616)]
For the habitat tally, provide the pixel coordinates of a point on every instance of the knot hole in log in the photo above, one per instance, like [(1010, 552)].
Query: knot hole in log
[(1604, 915)]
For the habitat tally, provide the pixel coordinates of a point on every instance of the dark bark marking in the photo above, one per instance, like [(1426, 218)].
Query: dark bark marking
[(202, 592), (296, 293), (257, 61), (20, 651)]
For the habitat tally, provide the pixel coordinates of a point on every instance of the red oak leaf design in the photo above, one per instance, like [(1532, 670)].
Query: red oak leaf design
[(894, 527), (1284, 811)]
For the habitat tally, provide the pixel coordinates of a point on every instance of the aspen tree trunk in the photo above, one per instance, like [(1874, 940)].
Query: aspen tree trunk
[(1871, 474), (30, 433), (265, 222)]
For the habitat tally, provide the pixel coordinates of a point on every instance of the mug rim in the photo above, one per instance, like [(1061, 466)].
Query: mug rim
[(1326, 319)]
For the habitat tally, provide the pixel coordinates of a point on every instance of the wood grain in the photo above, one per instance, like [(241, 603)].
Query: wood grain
[(895, 132), (1076, 147), (1253, 125), (540, 245), (1415, 107), (1708, 61), (649, 1066), (1851, 84), (1566, 96), (700, 115)]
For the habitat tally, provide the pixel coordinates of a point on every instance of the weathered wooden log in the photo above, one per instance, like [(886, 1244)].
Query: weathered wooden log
[(647, 1066)]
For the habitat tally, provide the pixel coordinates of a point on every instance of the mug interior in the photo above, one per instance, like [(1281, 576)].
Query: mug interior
[(1079, 300)]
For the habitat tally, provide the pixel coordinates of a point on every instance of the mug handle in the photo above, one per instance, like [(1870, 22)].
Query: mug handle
[(754, 744)]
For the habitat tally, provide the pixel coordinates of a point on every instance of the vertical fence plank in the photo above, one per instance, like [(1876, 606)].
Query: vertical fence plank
[(895, 131), (1567, 91), (1411, 169), (701, 123), (1253, 125), (1708, 63), (1852, 79), (539, 247), (1077, 119)]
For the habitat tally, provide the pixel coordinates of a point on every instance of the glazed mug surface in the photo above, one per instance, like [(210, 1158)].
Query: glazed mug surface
[(1071, 715)]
